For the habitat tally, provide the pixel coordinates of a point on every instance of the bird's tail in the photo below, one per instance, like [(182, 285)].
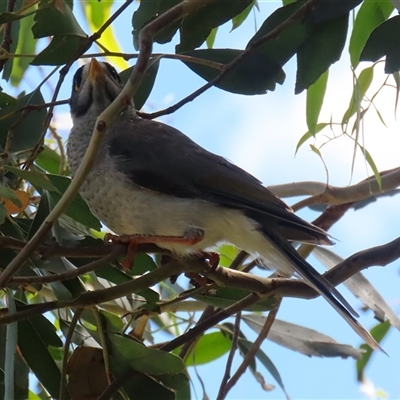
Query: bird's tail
[(320, 284)]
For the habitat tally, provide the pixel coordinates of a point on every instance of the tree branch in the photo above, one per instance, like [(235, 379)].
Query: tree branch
[(84, 168), (322, 193)]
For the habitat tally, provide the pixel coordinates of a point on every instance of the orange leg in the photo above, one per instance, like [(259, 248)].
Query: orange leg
[(190, 237)]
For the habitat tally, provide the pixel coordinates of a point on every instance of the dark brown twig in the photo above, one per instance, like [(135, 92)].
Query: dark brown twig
[(252, 351), (228, 366), (7, 39), (228, 67)]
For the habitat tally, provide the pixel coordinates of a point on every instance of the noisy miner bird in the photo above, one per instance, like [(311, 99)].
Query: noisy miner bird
[(150, 179)]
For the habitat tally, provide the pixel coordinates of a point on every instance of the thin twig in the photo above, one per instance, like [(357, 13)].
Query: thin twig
[(210, 322), (252, 351), (363, 190), (102, 122), (228, 67), (228, 366), (262, 288), (67, 343), (7, 39), (71, 274)]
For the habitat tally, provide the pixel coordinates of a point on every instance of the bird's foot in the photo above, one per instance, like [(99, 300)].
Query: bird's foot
[(198, 280), (190, 237), (211, 257)]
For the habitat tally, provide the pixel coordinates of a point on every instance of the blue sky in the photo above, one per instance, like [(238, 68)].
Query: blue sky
[(260, 134)]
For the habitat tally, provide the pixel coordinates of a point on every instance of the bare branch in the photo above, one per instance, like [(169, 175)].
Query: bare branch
[(322, 193)]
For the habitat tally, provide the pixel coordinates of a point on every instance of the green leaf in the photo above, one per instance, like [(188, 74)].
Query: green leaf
[(211, 38), (46, 330), (223, 297), (147, 11), (143, 263), (384, 40), (255, 74), (361, 86), (372, 164), (8, 67), (26, 45), (6, 17), (208, 348), (61, 50), (309, 135), (41, 214), (327, 10), (240, 18), (6, 100), (77, 209), (267, 362), (130, 352), (378, 332), (148, 387), (147, 83), (3, 214), (57, 185), (145, 360), (7, 193), (315, 99), (174, 382), (322, 49), (20, 124), (396, 77), (227, 254), (36, 354), (49, 160), (56, 18), (111, 323), (197, 26), (38, 180), (284, 46), (371, 14)]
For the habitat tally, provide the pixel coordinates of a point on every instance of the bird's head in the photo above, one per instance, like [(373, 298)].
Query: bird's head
[(94, 87)]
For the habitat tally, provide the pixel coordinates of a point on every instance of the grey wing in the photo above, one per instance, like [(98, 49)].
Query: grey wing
[(161, 158)]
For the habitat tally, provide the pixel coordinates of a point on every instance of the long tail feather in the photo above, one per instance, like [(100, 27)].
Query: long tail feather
[(322, 286)]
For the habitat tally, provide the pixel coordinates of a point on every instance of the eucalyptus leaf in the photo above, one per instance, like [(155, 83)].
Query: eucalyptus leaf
[(62, 49), (304, 340), (37, 356), (197, 26), (384, 41), (254, 74), (370, 15), (315, 99), (17, 124), (360, 287), (56, 19), (321, 49), (209, 347)]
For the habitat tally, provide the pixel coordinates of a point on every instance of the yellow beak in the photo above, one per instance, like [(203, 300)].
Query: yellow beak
[(95, 71)]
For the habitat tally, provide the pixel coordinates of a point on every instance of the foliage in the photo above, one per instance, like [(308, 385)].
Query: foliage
[(70, 321)]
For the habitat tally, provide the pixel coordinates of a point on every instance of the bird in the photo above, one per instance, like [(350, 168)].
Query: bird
[(152, 180)]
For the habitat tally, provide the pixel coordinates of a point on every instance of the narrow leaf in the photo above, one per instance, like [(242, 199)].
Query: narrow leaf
[(315, 99), (268, 364), (210, 347), (319, 51), (360, 287), (304, 340), (378, 332), (372, 164), (371, 14), (309, 135), (361, 86)]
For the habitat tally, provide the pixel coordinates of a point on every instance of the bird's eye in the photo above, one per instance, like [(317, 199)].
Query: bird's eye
[(77, 80), (113, 72)]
